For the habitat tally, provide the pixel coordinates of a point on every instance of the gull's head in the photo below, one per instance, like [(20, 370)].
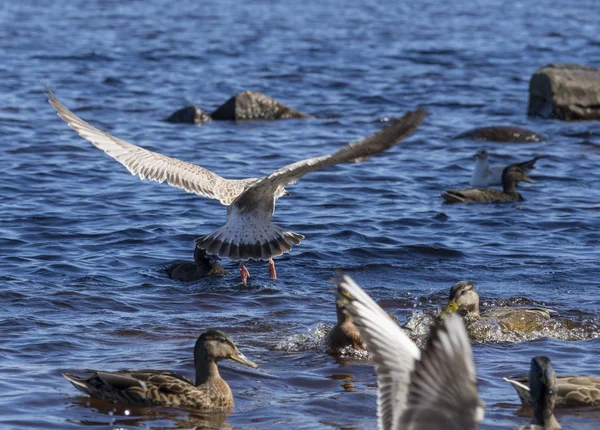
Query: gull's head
[(481, 154)]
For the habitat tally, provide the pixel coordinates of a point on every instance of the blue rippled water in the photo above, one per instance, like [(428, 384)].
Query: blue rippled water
[(83, 244)]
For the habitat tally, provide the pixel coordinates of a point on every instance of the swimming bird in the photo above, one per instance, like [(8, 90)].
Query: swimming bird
[(344, 333), (159, 387), (202, 266), (435, 389), (542, 385), (464, 299), (248, 233), (572, 391), (484, 175), (511, 175)]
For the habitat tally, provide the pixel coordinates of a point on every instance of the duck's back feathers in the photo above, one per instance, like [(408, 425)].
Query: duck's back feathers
[(485, 195), (572, 391), (151, 387)]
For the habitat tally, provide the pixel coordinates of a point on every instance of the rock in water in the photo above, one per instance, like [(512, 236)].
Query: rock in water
[(565, 91), (251, 105), (189, 115), (502, 133)]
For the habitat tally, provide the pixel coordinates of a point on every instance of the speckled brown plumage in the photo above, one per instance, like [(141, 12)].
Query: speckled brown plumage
[(165, 388), (572, 391), (511, 176)]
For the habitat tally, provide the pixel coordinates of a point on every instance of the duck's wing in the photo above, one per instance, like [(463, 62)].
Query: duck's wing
[(151, 165), (521, 386), (393, 353), (355, 152), (474, 195), (443, 388)]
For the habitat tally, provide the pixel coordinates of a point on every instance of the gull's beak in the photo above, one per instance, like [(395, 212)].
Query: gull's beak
[(526, 179), (449, 309), (241, 358)]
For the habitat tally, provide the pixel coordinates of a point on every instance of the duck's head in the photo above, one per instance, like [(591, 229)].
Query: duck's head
[(481, 154), (542, 384), (201, 258), (513, 174), (463, 299), (214, 345)]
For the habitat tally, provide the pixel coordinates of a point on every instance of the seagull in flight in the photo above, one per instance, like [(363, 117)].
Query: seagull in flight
[(248, 233)]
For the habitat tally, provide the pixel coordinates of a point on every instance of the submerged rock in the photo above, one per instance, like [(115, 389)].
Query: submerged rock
[(501, 133), (189, 115), (565, 91), (251, 105)]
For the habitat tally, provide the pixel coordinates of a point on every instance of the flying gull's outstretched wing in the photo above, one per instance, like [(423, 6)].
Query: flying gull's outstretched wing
[(151, 165)]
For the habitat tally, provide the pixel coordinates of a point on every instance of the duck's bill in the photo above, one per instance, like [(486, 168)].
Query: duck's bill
[(451, 308), (527, 179), (241, 358)]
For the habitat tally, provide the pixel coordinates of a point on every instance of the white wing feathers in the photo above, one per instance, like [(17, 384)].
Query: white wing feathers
[(393, 353), (435, 390), (151, 165), (353, 152)]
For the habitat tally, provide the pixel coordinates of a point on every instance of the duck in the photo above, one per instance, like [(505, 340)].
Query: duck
[(542, 386), (344, 334), (248, 232), (511, 176), (484, 175), (572, 391), (434, 389), (202, 266), (464, 300), (171, 389)]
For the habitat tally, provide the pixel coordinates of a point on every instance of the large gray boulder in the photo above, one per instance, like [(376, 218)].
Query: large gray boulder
[(565, 91), (251, 105), (189, 115)]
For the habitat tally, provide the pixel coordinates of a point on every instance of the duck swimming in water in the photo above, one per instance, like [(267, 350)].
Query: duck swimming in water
[(164, 388), (511, 176), (464, 300), (434, 389), (202, 266), (542, 385), (344, 334), (572, 391), (484, 175)]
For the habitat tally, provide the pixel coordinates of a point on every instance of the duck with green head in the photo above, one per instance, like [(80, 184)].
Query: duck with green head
[(165, 388), (542, 385), (464, 299)]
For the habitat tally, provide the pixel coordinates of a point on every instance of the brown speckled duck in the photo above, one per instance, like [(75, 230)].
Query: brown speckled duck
[(511, 176), (572, 391), (202, 266), (159, 387), (464, 299), (344, 333), (542, 385)]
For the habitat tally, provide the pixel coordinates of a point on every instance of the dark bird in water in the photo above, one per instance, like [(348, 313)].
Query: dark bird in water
[(542, 385), (202, 266), (248, 233), (434, 389), (572, 391), (464, 300), (164, 388), (511, 176)]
